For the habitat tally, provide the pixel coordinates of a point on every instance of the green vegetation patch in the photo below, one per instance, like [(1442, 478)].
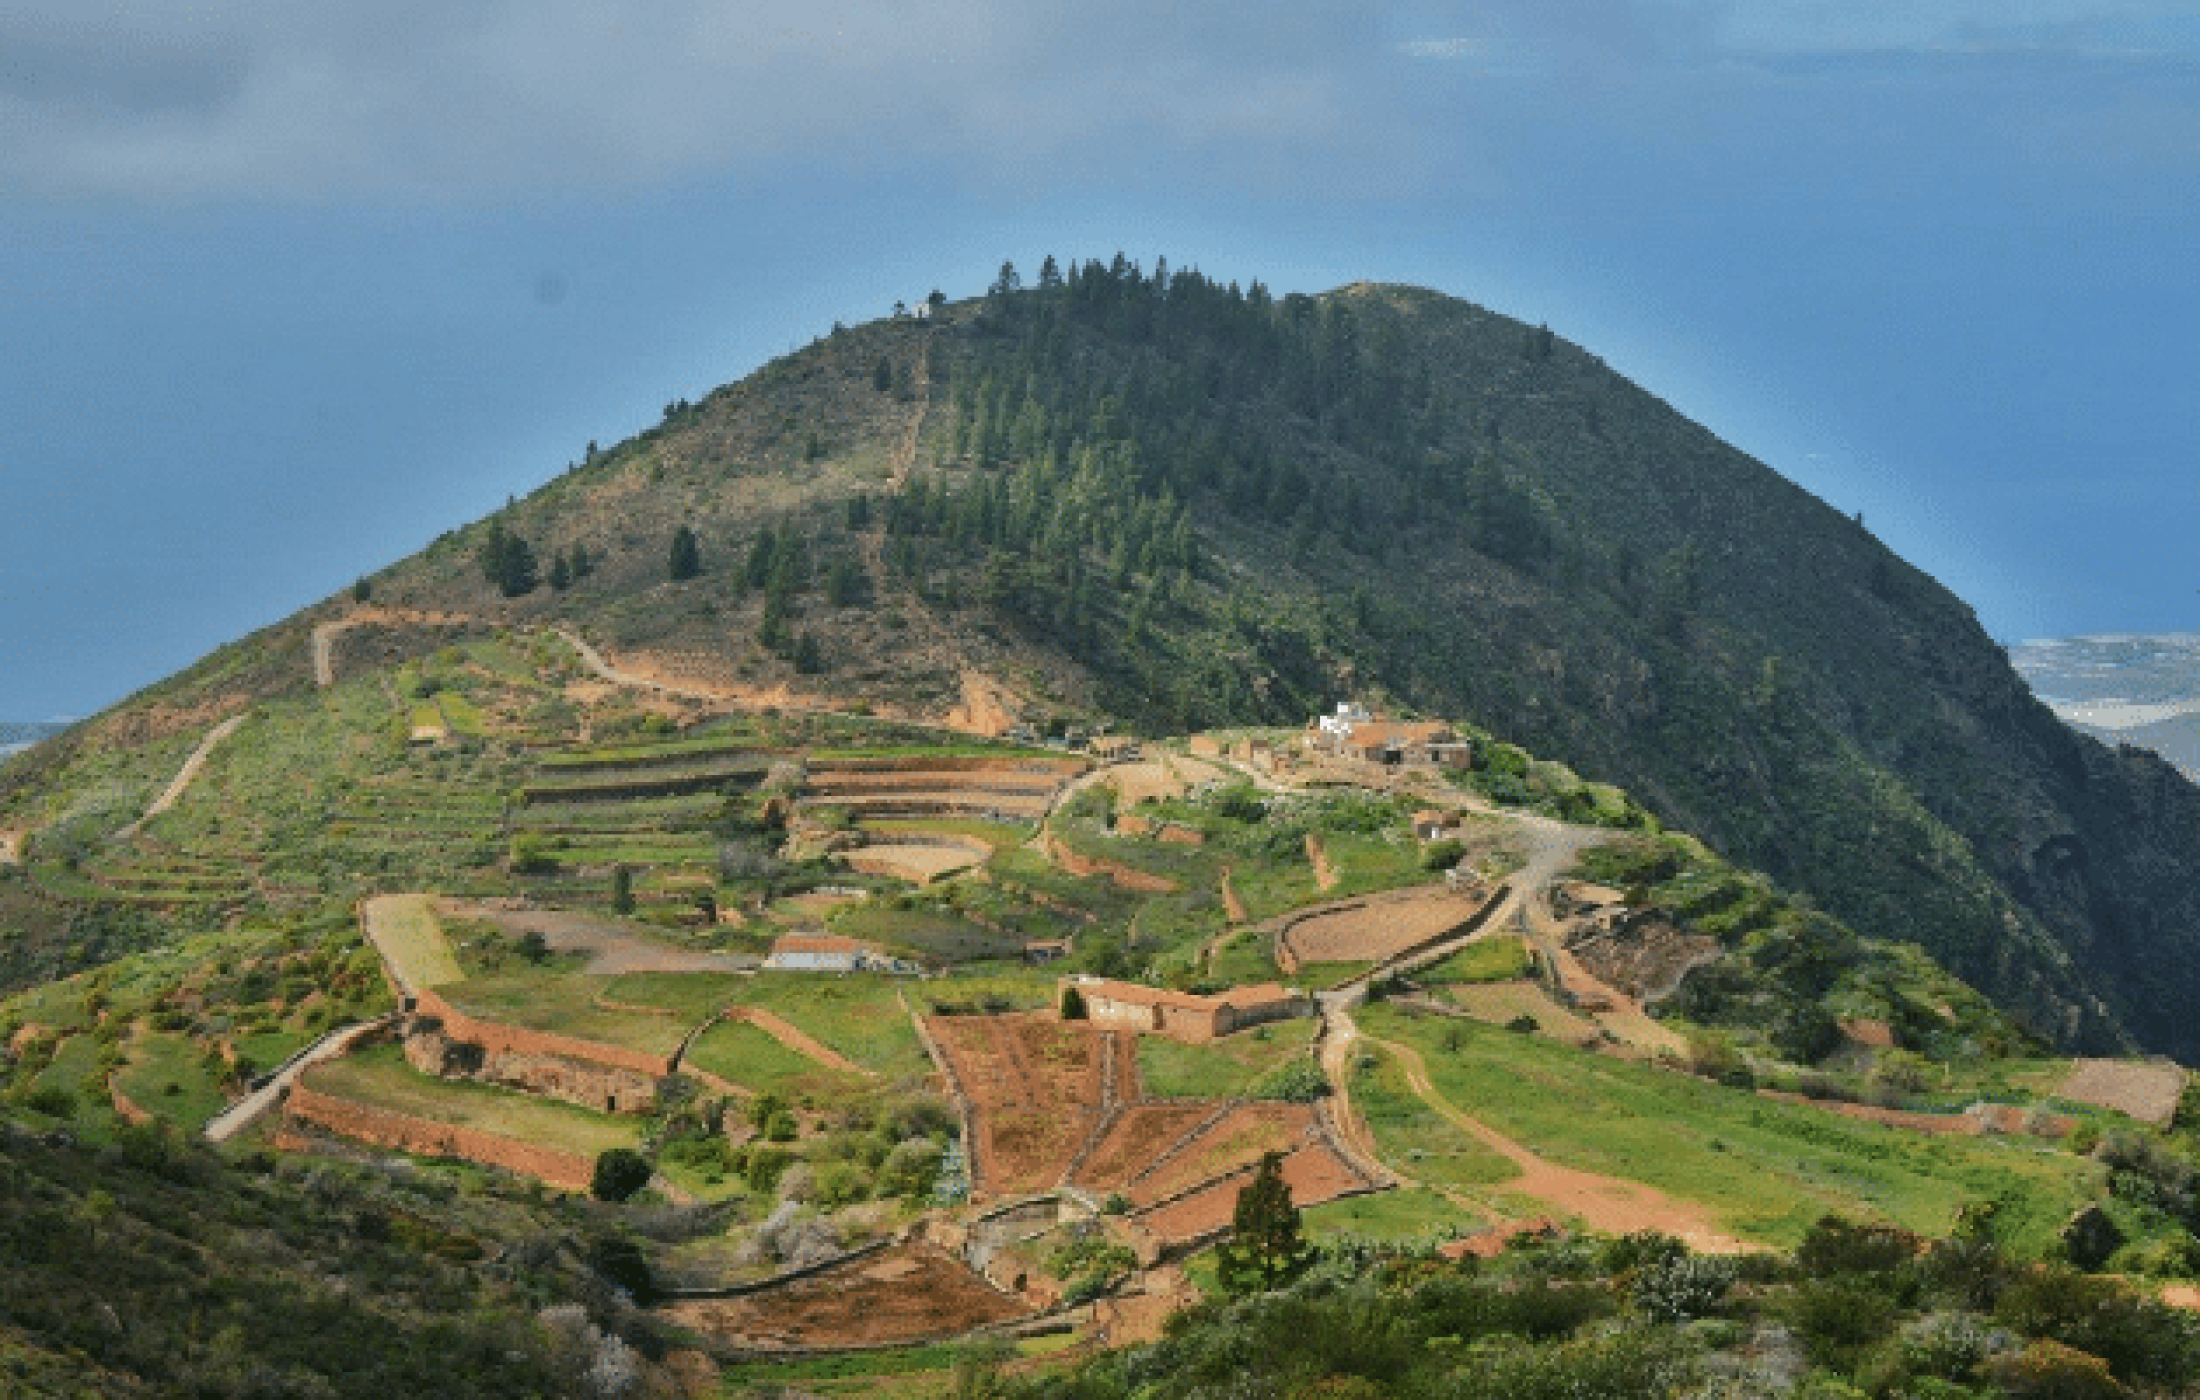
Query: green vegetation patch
[(1226, 1068), (409, 934), (1768, 1168), (380, 1078), (1407, 1216), (565, 1005), (857, 1015), (168, 1076), (1503, 958), (755, 1060), (1418, 1140)]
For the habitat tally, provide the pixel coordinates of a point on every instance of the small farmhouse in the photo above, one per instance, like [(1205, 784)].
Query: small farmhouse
[(819, 952), (1353, 732), (1430, 824), (1185, 1016)]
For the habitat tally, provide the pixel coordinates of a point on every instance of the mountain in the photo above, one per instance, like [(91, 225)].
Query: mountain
[(1167, 503)]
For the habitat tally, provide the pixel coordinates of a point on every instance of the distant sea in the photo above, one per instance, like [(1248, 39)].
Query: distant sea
[(18, 735), (2124, 689)]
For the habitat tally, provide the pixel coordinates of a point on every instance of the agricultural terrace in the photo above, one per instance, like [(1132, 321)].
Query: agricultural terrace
[(409, 936), (1054, 1101), (1378, 927), (1179, 850), (910, 1293), (378, 1077), (1765, 1168)]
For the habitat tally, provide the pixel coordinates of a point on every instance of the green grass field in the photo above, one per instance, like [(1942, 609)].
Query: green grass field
[(1405, 1215), (1499, 959), (1417, 1140), (1220, 1069), (1769, 1169), (408, 933), (753, 1059), (167, 1077), (565, 1004), (857, 1015), (1249, 957), (380, 1078)]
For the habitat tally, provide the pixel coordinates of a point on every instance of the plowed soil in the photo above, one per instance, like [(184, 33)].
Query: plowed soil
[(1137, 1138), (1313, 1172), (1378, 929), (909, 1294), (1237, 1141), (2147, 1092)]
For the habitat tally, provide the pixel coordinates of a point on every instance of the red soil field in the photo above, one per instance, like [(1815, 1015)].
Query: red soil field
[(913, 1293)]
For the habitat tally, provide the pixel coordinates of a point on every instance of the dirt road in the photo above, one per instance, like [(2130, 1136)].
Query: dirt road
[(326, 633), (1607, 1204), (182, 780), (247, 1110)]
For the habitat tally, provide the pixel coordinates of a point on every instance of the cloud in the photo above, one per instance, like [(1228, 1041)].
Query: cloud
[(1957, 26), (269, 98)]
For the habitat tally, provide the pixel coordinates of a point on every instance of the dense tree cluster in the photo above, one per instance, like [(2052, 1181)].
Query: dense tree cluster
[(507, 561)]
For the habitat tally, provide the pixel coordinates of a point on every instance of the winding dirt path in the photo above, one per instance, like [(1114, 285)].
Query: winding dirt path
[(191, 766), (11, 846), (326, 633), (1608, 1204)]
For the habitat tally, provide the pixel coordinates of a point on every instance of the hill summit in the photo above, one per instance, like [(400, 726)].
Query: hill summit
[(1151, 500)]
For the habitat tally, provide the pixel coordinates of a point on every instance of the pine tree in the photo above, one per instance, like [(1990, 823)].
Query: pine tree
[(506, 561), (1267, 1247), (687, 556)]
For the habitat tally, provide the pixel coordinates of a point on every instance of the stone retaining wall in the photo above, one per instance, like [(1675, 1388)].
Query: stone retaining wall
[(1123, 875), (494, 1036), (383, 1127), (582, 1082)]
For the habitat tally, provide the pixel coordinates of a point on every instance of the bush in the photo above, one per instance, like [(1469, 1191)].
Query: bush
[(1836, 1246), (2047, 1370), (1297, 1081), (1679, 1287), (620, 1172)]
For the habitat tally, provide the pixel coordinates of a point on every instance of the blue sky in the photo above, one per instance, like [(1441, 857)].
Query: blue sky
[(285, 291)]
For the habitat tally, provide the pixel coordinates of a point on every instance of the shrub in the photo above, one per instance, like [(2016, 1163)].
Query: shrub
[(1678, 1287), (1297, 1081), (1442, 855), (620, 1172), (2047, 1370), (1835, 1246), (1835, 1317)]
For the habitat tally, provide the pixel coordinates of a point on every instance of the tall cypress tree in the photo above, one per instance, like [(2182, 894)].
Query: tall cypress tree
[(1267, 1247), (687, 555)]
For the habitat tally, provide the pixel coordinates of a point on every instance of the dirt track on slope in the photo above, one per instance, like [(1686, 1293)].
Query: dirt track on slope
[(326, 633), (191, 766), (797, 1040), (1607, 1204)]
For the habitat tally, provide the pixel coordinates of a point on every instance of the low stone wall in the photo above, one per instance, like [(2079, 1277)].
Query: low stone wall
[(587, 1084), (383, 1127), (945, 763), (494, 1037), (1122, 875)]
